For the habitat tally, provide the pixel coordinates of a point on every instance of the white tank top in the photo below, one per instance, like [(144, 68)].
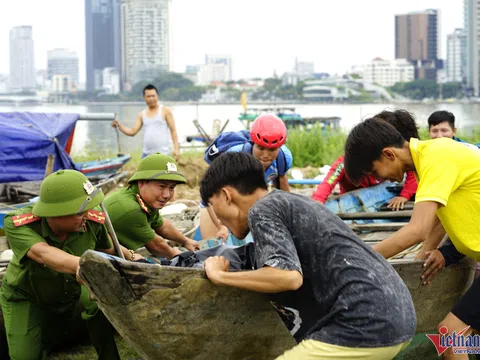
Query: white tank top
[(156, 137)]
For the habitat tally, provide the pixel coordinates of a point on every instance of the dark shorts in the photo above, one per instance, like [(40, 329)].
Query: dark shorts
[(467, 308)]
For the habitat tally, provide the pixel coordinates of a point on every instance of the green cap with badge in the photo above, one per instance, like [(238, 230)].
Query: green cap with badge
[(66, 192), (158, 167)]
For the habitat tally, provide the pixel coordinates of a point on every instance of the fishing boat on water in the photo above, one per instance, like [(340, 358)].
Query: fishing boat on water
[(289, 116)]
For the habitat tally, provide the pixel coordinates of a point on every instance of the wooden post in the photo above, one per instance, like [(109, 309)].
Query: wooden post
[(50, 164)]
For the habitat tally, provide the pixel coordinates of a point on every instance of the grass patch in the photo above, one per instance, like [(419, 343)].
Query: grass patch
[(472, 136), (315, 147), (136, 157)]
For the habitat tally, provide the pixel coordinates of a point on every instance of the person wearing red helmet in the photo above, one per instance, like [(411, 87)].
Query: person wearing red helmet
[(268, 135)]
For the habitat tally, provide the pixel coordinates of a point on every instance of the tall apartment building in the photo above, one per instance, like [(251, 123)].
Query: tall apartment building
[(417, 39), (472, 38), (102, 38), (63, 62), (456, 50), (145, 39), (22, 65)]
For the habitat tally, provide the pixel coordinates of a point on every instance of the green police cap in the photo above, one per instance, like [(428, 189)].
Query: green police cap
[(158, 167), (66, 192)]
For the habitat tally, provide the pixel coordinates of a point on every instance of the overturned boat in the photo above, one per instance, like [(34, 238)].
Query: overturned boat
[(169, 312), (177, 313)]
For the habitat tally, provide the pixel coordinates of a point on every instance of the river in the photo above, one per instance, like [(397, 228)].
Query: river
[(99, 137)]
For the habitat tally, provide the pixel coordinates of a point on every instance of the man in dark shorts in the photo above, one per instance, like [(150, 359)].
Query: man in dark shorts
[(336, 295)]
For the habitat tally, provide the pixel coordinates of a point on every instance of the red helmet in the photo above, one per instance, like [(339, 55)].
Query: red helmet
[(268, 131)]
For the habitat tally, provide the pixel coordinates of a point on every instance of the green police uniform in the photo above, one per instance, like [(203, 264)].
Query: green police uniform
[(36, 300), (133, 220)]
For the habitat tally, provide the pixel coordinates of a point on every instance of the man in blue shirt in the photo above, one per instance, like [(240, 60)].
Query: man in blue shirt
[(268, 134)]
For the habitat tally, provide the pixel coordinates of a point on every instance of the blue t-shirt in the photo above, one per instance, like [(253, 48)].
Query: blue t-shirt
[(272, 172)]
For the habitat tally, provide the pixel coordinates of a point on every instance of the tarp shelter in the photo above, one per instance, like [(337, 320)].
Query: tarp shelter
[(26, 140)]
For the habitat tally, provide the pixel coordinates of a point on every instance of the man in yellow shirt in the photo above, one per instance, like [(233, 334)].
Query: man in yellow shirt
[(447, 199)]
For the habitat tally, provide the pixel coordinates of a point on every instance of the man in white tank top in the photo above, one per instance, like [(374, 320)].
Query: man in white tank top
[(159, 126)]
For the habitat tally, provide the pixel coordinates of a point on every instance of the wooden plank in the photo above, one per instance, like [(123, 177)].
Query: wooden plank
[(404, 214), (407, 206), (377, 227), (375, 236)]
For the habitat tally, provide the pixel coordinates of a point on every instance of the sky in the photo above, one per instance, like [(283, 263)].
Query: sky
[(262, 36)]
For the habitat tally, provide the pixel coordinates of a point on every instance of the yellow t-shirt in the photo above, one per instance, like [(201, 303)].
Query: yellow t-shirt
[(448, 172)]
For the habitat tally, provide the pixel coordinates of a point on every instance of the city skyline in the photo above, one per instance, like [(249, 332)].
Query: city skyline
[(259, 36)]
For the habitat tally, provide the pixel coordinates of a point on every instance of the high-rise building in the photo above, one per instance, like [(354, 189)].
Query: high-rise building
[(304, 69), (221, 59), (111, 81), (456, 44), (388, 73), (417, 40), (103, 32), (22, 68), (472, 38), (63, 62), (145, 39)]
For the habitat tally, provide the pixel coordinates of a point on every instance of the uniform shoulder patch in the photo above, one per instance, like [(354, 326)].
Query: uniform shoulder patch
[(24, 219), (142, 204), (96, 216)]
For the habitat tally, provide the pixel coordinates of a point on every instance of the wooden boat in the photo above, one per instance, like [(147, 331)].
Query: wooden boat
[(289, 116), (96, 168), (156, 308), (366, 199), (28, 191), (177, 313)]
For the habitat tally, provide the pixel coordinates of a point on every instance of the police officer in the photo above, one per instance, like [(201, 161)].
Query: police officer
[(40, 288), (134, 211)]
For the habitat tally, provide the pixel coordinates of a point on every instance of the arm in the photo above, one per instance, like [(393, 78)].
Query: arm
[(450, 253), (159, 247), (173, 131), (264, 280), (410, 186), (434, 239), (409, 189), (54, 258), (423, 221), (436, 260), (335, 174), (133, 131), (222, 232), (126, 253), (283, 183), (170, 232)]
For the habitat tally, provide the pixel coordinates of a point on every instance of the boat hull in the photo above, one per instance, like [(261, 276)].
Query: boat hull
[(103, 167), (177, 313), (366, 199)]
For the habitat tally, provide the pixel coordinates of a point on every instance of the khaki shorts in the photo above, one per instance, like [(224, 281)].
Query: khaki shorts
[(317, 350)]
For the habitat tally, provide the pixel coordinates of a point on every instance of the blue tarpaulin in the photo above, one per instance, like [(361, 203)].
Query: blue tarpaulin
[(26, 140)]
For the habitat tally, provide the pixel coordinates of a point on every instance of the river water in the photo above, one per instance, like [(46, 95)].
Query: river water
[(99, 137)]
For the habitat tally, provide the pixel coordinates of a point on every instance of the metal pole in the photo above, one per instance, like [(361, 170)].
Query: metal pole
[(97, 116), (111, 231)]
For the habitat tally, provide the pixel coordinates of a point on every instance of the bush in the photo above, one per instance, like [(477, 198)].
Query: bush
[(316, 146)]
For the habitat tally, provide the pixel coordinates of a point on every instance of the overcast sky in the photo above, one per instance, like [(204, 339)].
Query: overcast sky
[(261, 35)]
